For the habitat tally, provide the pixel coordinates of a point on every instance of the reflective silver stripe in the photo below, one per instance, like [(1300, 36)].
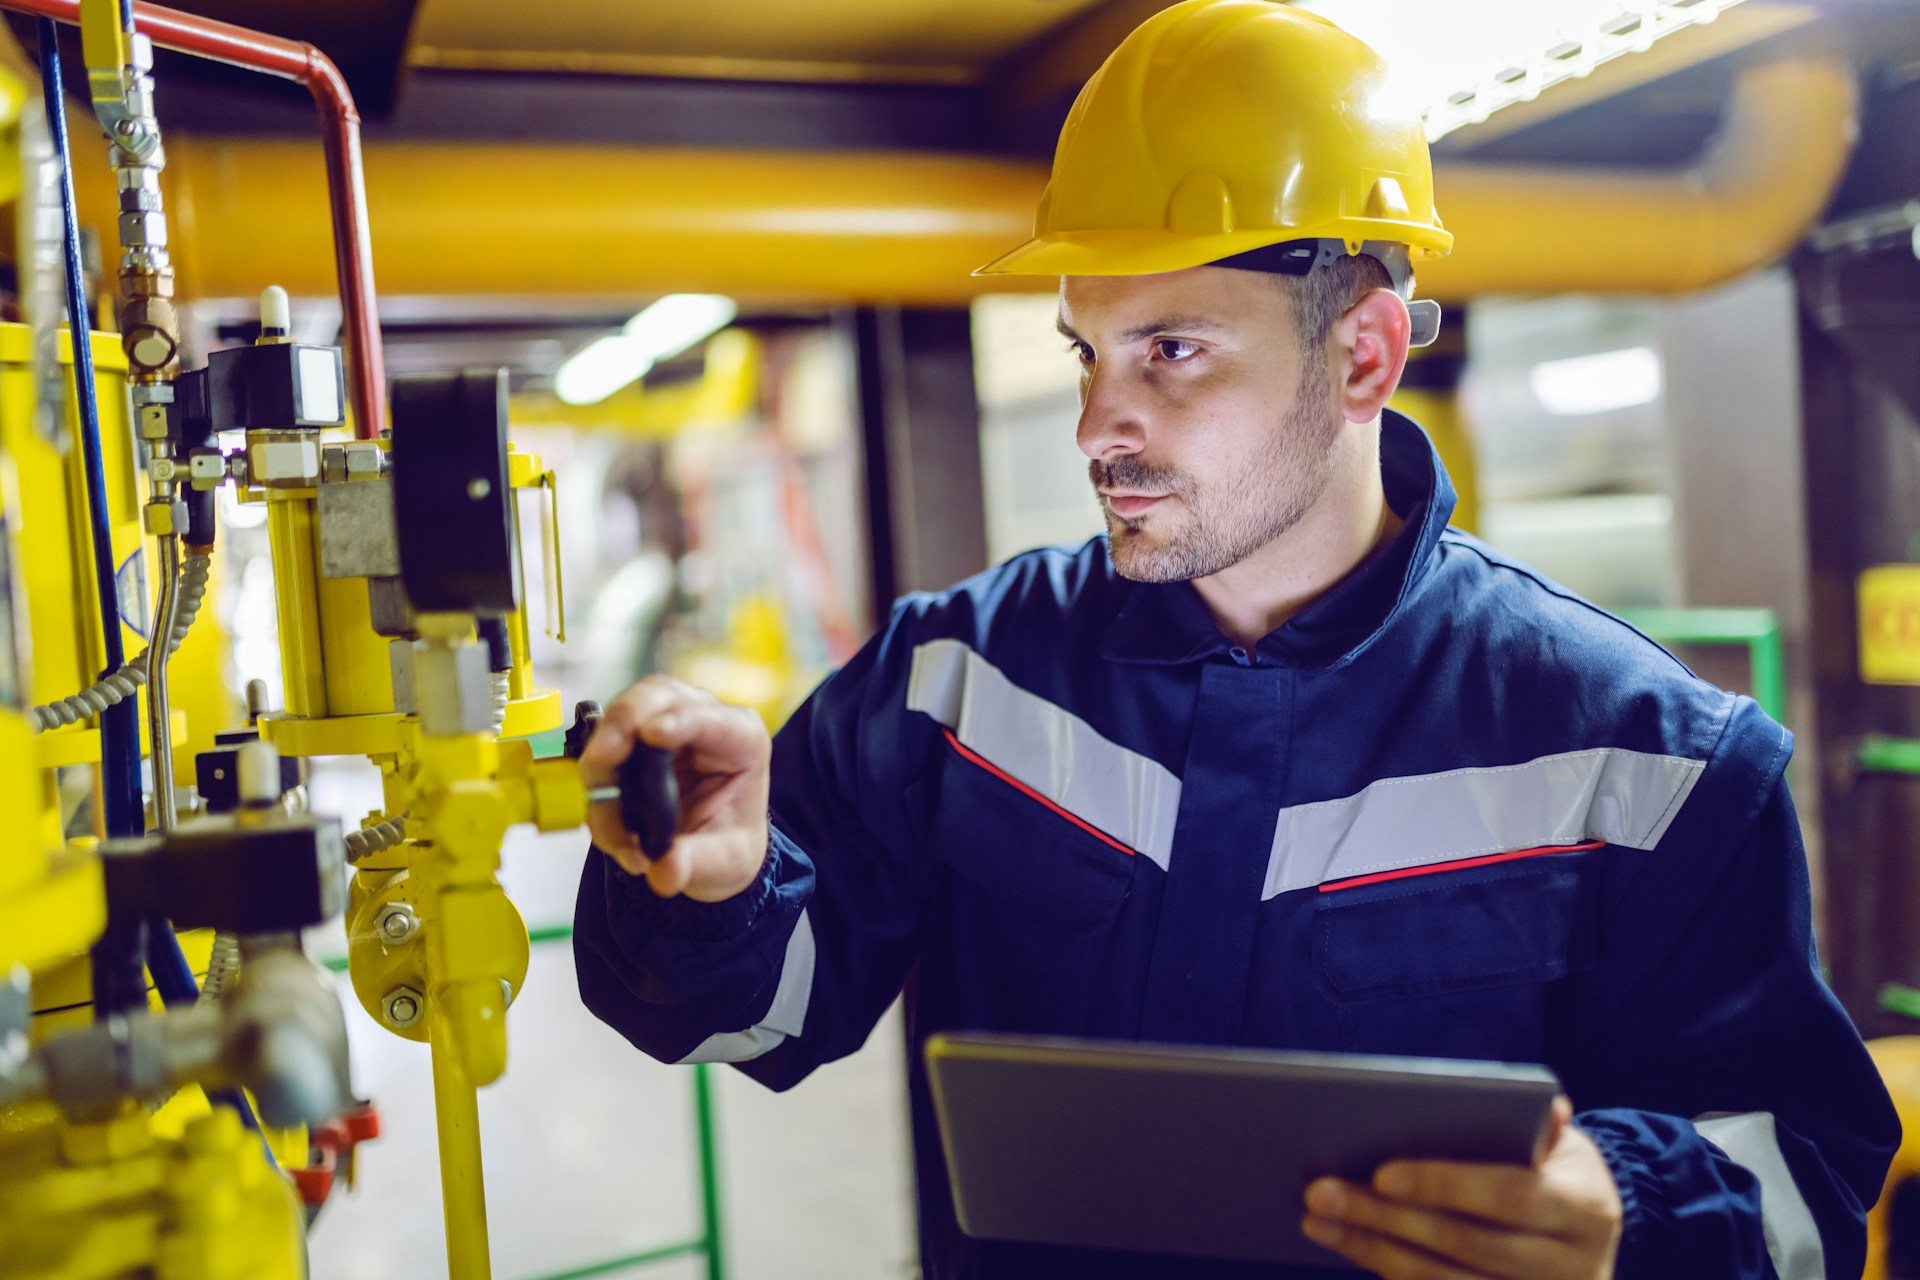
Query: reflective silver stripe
[(1129, 796), (785, 1017), (1622, 797), (1793, 1238)]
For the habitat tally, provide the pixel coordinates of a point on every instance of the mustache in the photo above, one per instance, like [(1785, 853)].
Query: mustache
[(1129, 472)]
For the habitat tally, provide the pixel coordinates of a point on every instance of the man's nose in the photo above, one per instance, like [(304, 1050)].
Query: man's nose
[(1110, 421)]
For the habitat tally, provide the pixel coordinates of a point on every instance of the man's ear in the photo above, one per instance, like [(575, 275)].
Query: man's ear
[(1370, 346)]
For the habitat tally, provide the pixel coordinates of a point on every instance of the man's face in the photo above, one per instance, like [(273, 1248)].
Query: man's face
[(1210, 431)]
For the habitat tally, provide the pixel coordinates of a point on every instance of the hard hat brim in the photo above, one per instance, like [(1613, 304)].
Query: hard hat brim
[(1142, 252)]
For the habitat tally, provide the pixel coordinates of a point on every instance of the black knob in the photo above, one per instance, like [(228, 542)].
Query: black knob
[(650, 798), (586, 718)]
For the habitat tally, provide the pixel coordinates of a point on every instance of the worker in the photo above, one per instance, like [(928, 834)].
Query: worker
[(1279, 761)]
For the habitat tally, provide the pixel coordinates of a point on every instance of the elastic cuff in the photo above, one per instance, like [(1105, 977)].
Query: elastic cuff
[(682, 917), (1644, 1218)]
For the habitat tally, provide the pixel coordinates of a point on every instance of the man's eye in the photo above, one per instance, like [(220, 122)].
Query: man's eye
[(1175, 349), (1081, 352)]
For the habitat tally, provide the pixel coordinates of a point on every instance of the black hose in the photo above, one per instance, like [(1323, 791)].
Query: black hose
[(493, 633), (119, 984)]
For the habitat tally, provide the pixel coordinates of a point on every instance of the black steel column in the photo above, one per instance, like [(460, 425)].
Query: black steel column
[(1860, 322), (920, 426)]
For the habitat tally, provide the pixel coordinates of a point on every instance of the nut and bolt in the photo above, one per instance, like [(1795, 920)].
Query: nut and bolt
[(396, 922), (365, 458), (402, 1007), (162, 518)]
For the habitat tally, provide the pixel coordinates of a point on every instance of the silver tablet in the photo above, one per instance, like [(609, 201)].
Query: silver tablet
[(1201, 1152)]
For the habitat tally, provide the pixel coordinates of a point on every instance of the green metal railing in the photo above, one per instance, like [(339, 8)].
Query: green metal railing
[(1903, 1000), (1757, 629), (1877, 754), (710, 1243)]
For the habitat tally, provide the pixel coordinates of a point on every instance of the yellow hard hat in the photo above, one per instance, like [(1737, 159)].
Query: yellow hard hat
[(1224, 126)]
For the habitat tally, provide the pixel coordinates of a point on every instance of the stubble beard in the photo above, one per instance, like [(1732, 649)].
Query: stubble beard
[(1227, 523)]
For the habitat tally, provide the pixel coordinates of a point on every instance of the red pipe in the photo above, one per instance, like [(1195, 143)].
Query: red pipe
[(346, 181)]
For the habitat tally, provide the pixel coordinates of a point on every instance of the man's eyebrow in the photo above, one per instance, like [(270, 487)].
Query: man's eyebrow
[(1165, 324), (1175, 324)]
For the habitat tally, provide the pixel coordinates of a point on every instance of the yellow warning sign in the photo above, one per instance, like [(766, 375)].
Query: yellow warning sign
[(1890, 624)]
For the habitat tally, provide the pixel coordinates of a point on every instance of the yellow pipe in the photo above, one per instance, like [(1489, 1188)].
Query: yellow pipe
[(358, 674), (456, 1110), (1788, 132), (607, 222), (290, 535), (502, 219)]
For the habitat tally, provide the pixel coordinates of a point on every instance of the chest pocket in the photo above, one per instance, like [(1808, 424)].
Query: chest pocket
[(1459, 963), (1030, 899)]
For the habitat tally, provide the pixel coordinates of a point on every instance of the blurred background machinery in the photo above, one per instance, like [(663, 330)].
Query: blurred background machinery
[(721, 253), (397, 582)]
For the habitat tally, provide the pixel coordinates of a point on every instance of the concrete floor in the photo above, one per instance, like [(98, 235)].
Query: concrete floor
[(589, 1145)]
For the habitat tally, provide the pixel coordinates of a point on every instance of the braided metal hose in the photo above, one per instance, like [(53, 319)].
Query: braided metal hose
[(223, 967), (120, 685), (501, 693), (377, 838)]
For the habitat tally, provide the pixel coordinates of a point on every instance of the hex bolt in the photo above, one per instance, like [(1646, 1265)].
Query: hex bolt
[(397, 923), (402, 1007)]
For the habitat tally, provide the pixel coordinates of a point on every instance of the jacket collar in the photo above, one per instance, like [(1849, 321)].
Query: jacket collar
[(1169, 623)]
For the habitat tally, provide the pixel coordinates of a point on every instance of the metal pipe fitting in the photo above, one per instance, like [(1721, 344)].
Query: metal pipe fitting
[(346, 179), (279, 1034)]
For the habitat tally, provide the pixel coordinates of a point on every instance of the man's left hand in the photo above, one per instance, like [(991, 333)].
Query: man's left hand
[(1434, 1220)]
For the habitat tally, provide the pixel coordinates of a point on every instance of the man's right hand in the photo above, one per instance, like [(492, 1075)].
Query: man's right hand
[(721, 757)]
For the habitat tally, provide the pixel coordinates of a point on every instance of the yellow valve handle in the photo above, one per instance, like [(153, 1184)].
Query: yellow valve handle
[(103, 46), (476, 1013)]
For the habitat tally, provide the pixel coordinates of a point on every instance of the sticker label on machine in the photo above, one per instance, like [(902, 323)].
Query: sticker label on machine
[(130, 585), (1889, 597)]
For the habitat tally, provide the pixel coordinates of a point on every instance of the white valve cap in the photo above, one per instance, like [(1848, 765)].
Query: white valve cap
[(276, 315), (259, 769)]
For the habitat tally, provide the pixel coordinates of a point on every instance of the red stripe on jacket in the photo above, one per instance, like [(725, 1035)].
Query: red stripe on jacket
[(1434, 868), (975, 758)]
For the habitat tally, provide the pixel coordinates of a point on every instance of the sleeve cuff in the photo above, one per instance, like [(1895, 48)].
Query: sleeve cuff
[(681, 917), (1643, 1211)]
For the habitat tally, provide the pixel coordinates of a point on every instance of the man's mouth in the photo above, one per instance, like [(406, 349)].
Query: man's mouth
[(1129, 506)]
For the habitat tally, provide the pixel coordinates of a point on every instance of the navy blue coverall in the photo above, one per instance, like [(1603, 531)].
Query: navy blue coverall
[(1450, 809)]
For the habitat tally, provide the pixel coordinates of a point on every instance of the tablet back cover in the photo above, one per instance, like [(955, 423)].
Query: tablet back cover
[(1200, 1152)]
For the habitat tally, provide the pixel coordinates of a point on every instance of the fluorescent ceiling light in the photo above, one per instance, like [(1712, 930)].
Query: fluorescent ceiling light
[(1460, 62), (662, 331), (1598, 383)]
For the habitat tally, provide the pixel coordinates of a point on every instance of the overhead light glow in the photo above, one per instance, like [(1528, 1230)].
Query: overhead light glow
[(1599, 383), (665, 329), (1462, 61)]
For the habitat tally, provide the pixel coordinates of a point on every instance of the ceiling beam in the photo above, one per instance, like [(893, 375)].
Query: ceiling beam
[(1740, 27), (690, 67), (1030, 89)]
